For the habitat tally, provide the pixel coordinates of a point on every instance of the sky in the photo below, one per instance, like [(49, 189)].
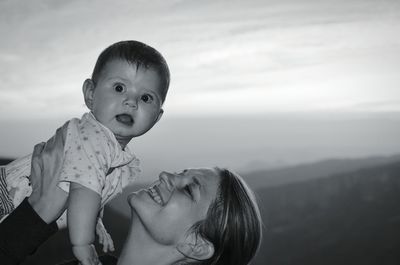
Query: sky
[(226, 57), (252, 82)]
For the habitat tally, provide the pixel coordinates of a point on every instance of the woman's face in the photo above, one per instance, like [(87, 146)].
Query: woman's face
[(170, 207)]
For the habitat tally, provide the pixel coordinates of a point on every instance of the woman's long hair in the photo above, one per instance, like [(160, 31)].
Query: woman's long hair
[(233, 223)]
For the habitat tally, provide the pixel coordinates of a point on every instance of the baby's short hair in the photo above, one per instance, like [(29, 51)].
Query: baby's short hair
[(135, 53)]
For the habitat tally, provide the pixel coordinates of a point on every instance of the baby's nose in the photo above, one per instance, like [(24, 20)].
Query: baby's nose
[(130, 101)]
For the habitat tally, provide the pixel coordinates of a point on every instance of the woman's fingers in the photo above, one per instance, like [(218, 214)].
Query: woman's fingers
[(38, 148), (36, 169), (36, 164)]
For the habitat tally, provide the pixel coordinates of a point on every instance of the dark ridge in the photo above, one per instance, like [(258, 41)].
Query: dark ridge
[(351, 218), (5, 161), (320, 169)]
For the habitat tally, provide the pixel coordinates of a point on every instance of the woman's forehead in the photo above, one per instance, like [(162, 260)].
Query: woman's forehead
[(206, 173), (205, 177)]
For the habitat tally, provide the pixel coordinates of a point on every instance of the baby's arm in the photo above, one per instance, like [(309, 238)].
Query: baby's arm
[(83, 208)]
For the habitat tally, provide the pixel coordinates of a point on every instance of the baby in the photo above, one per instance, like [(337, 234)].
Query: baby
[(125, 96)]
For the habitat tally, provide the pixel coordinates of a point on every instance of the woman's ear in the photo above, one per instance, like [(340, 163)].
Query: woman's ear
[(196, 247), (88, 92)]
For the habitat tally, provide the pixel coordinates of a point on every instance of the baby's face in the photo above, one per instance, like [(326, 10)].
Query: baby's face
[(126, 99)]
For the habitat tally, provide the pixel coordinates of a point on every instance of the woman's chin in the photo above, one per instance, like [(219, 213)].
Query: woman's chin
[(136, 198), (131, 197)]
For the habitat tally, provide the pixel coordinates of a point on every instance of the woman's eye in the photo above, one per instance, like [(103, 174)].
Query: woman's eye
[(147, 98), (119, 88), (188, 191)]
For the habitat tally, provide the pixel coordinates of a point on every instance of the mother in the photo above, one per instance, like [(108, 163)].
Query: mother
[(199, 216)]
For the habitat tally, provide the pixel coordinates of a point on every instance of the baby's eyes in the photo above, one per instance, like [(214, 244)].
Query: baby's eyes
[(119, 88), (147, 98)]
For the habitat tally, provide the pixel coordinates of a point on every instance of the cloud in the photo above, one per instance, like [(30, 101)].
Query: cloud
[(383, 105), (288, 51)]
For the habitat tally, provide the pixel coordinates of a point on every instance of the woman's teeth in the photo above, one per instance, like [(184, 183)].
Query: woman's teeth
[(155, 196)]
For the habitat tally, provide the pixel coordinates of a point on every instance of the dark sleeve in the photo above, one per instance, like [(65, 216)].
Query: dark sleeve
[(105, 260), (21, 233), (108, 260)]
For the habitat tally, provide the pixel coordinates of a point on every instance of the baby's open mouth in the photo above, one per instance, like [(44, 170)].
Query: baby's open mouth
[(125, 119)]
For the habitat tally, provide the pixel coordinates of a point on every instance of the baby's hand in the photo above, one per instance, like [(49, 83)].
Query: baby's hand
[(104, 237), (86, 254)]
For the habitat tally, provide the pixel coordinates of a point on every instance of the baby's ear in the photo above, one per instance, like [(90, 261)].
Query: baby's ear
[(88, 92), (159, 115), (196, 247)]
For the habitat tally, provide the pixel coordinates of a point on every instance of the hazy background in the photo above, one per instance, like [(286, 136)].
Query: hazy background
[(256, 85)]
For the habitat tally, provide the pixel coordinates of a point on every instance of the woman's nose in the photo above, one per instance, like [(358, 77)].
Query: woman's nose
[(168, 179)]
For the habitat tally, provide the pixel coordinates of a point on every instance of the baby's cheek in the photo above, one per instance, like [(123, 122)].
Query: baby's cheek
[(151, 112)]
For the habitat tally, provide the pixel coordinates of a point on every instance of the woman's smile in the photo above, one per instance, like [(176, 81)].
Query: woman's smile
[(155, 194)]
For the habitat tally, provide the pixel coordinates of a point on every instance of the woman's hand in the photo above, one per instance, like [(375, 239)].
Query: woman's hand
[(47, 199)]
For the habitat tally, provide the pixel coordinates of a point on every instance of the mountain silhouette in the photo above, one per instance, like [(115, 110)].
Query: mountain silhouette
[(351, 218), (325, 168)]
